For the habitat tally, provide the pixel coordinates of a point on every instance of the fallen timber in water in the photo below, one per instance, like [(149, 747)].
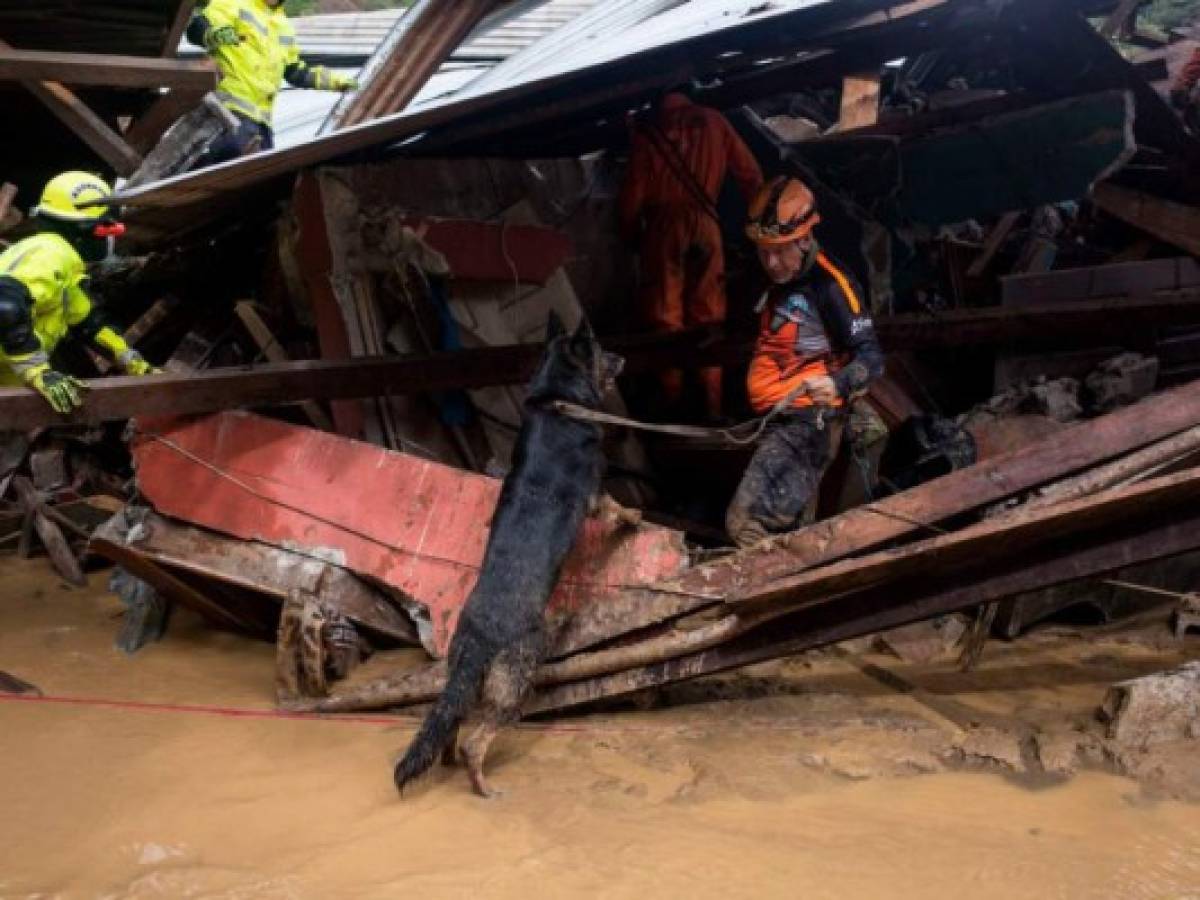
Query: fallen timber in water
[(832, 581)]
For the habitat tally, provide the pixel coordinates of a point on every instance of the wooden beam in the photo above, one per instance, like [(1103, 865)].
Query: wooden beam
[(1172, 222), (88, 126), (912, 514), (995, 239), (282, 383), (860, 101), (425, 38), (183, 15), (962, 550), (107, 70), (1062, 324), (881, 609)]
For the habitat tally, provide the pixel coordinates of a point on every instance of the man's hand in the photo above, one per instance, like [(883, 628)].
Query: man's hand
[(225, 36), (343, 83), (62, 392), (822, 389), (133, 363)]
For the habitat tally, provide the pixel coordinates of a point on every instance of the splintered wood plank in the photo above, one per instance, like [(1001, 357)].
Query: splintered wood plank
[(860, 101), (1172, 222)]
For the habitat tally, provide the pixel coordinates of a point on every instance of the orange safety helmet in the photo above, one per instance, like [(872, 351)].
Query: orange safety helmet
[(785, 210)]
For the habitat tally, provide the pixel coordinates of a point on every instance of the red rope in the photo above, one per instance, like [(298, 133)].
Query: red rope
[(232, 712)]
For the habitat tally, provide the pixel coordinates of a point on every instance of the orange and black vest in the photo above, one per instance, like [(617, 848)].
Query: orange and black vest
[(816, 325)]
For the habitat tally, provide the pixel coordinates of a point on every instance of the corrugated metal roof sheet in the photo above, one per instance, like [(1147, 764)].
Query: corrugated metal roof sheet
[(356, 35), (299, 113)]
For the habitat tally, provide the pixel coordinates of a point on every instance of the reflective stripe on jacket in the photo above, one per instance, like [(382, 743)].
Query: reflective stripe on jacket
[(55, 275), (252, 71)]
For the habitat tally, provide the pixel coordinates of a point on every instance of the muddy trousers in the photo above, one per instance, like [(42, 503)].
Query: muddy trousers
[(779, 491), (250, 137), (683, 284)]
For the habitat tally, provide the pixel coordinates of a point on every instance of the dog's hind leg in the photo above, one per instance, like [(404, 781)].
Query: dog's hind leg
[(450, 751), (475, 750), (507, 682)]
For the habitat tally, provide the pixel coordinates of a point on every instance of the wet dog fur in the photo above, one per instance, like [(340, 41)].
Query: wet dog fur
[(501, 636)]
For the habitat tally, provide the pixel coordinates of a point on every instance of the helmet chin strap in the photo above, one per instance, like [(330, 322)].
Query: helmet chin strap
[(810, 258)]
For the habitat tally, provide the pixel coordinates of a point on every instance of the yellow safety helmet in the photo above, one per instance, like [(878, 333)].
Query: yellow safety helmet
[(75, 197)]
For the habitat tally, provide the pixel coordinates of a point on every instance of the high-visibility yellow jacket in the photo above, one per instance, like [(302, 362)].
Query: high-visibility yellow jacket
[(252, 70), (54, 274)]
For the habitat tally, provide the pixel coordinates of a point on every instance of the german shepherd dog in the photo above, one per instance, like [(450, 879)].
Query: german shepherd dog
[(501, 636)]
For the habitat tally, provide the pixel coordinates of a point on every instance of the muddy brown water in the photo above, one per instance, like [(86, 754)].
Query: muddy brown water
[(718, 798)]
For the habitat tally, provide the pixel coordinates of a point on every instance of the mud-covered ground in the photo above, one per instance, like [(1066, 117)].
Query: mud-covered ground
[(839, 775)]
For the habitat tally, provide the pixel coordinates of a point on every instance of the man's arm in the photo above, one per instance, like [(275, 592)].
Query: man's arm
[(88, 323), (853, 333), (300, 74), (214, 26), (22, 351)]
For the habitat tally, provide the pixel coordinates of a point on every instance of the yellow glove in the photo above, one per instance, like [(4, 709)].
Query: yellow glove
[(133, 363), (130, 361), (62, 392), (331, 81)]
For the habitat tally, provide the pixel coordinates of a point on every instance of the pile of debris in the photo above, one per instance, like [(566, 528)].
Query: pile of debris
[(1016, 240)]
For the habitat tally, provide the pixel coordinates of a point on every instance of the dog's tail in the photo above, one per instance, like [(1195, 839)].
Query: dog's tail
[(470, 658)]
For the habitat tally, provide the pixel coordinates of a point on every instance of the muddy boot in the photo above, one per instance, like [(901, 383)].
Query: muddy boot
[(147, 613)]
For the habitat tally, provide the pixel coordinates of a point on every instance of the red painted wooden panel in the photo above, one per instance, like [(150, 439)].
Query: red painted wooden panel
[(418, 526), (489, 251)]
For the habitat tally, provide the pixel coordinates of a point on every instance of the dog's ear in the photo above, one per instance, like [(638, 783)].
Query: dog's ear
[(584, 331), (583, 341), (554, 326)]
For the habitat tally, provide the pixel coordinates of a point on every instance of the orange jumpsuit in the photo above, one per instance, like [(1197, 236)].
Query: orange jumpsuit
[(1186, 80), (682, 259)]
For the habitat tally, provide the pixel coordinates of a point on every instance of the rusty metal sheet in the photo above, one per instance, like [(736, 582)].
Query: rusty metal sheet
[(414, 525)]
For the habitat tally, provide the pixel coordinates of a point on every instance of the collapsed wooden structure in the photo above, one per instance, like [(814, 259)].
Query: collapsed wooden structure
[(347, 267)]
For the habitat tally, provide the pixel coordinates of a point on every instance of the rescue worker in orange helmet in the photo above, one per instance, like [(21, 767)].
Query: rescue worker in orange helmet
[(816, 351), (678, 160), (43, 291)]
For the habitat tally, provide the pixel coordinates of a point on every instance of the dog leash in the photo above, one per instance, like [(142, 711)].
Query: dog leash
[(737, 435)]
